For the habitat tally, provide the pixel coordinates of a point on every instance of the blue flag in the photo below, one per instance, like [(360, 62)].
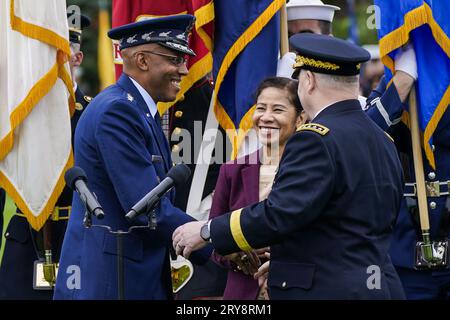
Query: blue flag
[(427, 25), (353, 31), (246, 44)]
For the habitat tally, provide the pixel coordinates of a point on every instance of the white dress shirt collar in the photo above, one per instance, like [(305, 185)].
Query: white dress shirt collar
[(147, 98)]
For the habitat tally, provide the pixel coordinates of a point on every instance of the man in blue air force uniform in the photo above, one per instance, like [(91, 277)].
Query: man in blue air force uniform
[(334, 201), (25, 246), (120, 145)]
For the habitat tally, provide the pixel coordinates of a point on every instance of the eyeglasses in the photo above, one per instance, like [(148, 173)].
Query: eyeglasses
[(175, 60)]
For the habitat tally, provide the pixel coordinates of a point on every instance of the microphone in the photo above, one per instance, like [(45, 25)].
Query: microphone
[(176, 175), (76, 179)]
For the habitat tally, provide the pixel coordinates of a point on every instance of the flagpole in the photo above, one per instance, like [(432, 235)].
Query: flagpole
[(420, 177), (284, 41), (202, 165)]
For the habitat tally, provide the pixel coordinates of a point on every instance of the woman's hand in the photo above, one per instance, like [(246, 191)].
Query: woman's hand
[(246, 262)]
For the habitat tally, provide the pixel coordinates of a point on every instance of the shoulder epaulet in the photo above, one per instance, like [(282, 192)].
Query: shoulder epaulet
[(387, 134), (318, 128), (87, 99)]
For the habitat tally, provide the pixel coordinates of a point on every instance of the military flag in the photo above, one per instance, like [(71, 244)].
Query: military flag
[(246, 44), (127, 11), (105, 56), (353, 31), (426, 24), (36, 99)]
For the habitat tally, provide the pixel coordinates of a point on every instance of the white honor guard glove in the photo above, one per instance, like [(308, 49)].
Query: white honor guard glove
[(405, 60), (285, 65), (363, 102)]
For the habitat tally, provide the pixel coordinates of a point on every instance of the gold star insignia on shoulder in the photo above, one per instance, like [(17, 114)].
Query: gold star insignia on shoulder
[(87, 99), (130, 97), (317, 128), (78, 106)]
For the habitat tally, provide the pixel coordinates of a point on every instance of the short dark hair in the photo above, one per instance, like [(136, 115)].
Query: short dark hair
[(290, 85)]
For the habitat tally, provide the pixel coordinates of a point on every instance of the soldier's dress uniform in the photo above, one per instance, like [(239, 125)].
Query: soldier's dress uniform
[(120, 145), (190, 114), (386, 109), (334, 201), (24, 245)]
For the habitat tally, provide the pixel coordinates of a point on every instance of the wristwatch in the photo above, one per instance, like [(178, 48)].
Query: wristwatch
[(204, 232)]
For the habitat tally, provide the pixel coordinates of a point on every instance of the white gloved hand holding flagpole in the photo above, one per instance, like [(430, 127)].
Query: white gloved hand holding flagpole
[(285, 65)]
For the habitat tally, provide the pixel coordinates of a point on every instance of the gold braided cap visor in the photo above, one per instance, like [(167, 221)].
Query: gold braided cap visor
[(327, 67)]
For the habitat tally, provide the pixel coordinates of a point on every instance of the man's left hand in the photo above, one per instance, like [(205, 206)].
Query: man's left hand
[(186, 238)]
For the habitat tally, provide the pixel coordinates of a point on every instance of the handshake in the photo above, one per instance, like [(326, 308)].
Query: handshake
[(250, 263), (186, 239)]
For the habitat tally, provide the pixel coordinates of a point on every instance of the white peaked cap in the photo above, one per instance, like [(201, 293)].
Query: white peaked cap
[(310, 9)]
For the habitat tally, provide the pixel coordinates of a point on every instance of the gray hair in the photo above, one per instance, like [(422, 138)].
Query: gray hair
[(337, 82)]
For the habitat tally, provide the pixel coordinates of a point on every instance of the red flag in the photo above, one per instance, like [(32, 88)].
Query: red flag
[(200, 40)]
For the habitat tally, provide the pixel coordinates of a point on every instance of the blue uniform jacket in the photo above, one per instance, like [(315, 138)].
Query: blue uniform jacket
[(124, 154), (331, 211), (386, 109)]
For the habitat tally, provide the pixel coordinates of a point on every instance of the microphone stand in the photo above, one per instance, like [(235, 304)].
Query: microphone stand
[(151, 225), (120, 265)]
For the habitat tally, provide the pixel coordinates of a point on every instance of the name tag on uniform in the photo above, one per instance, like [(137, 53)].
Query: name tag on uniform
[(39, 281)]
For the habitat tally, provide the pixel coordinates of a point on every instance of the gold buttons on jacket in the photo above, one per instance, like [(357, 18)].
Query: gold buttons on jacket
[(433, 205), (431, 175), (78, 106), (178, 114)]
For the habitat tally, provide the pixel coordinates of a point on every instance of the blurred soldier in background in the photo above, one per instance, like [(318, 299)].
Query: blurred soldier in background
[(385, 106), (190, 114), (305, 16), (29, 252), (372, 71)]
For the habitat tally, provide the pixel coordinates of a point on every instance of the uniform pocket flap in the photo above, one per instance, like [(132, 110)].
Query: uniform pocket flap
[(18, 229), (287, 275)]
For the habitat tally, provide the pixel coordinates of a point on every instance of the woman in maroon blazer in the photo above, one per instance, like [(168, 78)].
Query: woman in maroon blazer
[(245, 181)]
